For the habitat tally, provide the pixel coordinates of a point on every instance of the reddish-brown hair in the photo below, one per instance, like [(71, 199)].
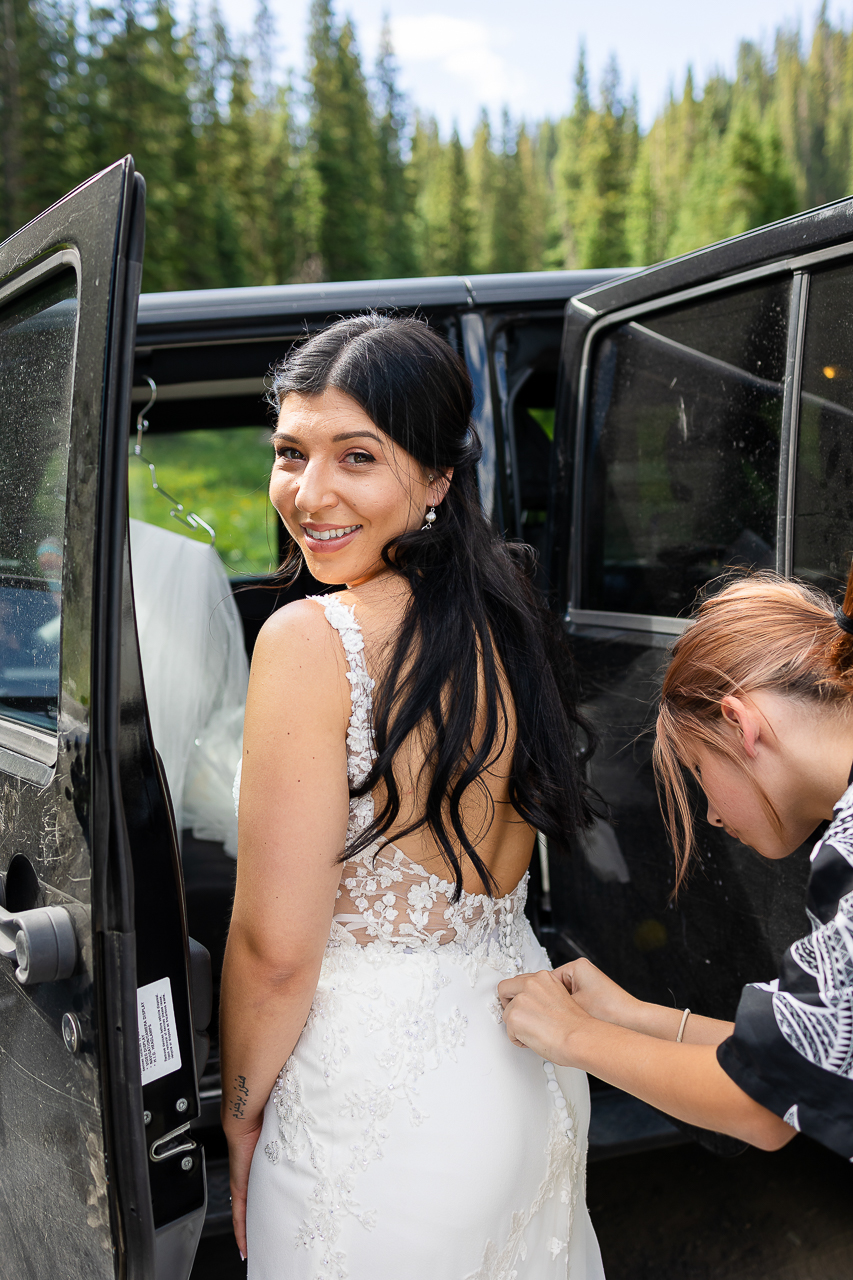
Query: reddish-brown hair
[(759, 632)]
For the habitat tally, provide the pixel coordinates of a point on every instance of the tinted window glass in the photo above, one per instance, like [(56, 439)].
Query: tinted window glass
[(683, 454), (37, 345), (527, 357), (823, 523), (533, 425), (220, 474)]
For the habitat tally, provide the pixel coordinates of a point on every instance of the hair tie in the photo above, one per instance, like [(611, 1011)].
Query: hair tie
[(844, 621)]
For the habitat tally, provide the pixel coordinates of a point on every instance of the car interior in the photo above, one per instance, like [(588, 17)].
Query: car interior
[(206, 545)]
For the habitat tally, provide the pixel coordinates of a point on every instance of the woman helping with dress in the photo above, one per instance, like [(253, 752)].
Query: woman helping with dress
[(757, 704), (404, 739)]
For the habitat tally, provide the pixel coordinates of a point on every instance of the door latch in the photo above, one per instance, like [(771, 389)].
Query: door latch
[(172, 1144), (41, 941)]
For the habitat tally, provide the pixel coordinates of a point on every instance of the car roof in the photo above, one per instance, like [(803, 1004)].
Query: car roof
[(269, 303), (790, 238)]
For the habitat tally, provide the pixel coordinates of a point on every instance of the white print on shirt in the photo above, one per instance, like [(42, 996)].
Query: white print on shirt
[(823, 1034)]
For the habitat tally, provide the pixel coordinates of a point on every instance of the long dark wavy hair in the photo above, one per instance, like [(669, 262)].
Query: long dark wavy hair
[(473, 613)]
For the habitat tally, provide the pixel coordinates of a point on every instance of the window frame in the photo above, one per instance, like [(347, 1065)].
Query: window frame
[(797, 268), (26, 750), (835, 255)]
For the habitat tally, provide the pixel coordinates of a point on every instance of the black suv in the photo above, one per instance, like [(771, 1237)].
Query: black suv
[(644, 431)]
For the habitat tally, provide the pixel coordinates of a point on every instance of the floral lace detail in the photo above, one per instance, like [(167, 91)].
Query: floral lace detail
[(332, 1199), (413, 1041), (564, 1173), (360, 752), (385, 900), (398, 906)]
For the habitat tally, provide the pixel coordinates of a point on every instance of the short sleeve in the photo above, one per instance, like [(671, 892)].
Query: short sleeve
[(792, 1047)]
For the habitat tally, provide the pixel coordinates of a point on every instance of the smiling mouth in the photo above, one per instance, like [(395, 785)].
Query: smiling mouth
[(329, 535)]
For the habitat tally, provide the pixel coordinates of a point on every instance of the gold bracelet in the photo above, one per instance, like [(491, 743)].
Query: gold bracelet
[(684, 1018)]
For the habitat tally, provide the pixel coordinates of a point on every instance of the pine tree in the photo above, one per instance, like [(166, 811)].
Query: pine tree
[(443, 222), (607, 158), (423, 174), (662, 175), (755, 186), (286, 246), (483, 187), (139, 102), (643, 231), (518, 231), (570, 135), (395, 255), (343, 147), (456, 253), (42, 115), (249, 182)]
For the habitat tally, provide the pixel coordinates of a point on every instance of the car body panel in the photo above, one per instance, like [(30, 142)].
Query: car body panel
[(77, 1178), (738, 912)]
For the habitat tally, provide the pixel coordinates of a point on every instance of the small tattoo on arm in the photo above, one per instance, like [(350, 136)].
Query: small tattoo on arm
[(237, 1105)]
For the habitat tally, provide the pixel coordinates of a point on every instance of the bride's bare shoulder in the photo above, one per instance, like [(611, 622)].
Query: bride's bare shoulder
[(297, 642)]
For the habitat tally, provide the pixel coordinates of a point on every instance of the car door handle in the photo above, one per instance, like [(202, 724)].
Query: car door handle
[(41, 942)]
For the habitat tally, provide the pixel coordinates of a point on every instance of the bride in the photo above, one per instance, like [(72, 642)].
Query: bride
[(404, 739)]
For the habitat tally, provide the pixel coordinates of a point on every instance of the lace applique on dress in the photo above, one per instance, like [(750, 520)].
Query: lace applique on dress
[(360, 752), (385, 900), (564, 1173)]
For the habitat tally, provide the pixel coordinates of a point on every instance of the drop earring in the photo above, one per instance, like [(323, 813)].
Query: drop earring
[(430, 515)]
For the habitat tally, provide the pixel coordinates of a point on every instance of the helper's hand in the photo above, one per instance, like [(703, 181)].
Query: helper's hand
[(539, 1013), (599, 995)]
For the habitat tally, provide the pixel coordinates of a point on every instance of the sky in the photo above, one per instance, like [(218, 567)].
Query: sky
[(456, 56)]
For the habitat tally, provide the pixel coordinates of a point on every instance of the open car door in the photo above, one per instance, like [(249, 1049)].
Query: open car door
[(101, 1176)]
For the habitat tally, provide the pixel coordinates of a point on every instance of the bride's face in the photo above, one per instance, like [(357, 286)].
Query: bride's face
[(342, 487)]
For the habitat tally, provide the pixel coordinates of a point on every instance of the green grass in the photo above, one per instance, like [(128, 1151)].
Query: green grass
[(545, 418), (222, 476)]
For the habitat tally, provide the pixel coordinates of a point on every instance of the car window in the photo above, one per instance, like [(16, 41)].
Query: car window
[(222, 476), (682, 459), (527, 355), (533, 427), (37, 350), (823, 520)]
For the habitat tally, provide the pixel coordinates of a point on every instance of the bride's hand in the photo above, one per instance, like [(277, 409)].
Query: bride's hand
[(241, 1148), (598, 994), (540, 1014)]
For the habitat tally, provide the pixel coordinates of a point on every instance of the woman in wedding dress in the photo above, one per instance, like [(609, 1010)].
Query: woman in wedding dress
[(404, 739)]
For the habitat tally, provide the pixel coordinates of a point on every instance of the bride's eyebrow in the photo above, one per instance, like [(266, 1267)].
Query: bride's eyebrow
[(356, 435), (279, 437)]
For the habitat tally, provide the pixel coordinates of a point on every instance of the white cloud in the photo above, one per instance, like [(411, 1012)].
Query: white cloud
[(463, 50)]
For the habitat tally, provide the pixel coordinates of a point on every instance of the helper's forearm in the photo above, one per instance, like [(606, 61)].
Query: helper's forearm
[(663, 1023), (684, 1080), (262, 1014)]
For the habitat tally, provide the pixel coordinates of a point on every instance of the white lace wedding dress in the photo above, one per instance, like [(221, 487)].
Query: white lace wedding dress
[(406, 1137)]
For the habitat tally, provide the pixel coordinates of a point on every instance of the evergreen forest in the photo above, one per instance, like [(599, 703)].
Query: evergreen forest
[(255, 181)]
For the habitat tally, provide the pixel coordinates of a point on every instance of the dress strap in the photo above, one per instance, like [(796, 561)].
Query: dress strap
[(360, 753)]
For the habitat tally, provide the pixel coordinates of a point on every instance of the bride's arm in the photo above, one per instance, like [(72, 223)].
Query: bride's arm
[(684, 1080), (293, 816)]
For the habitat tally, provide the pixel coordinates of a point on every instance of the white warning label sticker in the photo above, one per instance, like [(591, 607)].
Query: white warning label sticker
[(159, 1053)]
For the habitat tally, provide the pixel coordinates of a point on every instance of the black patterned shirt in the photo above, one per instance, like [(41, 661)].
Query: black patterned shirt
[(792, 1047)]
